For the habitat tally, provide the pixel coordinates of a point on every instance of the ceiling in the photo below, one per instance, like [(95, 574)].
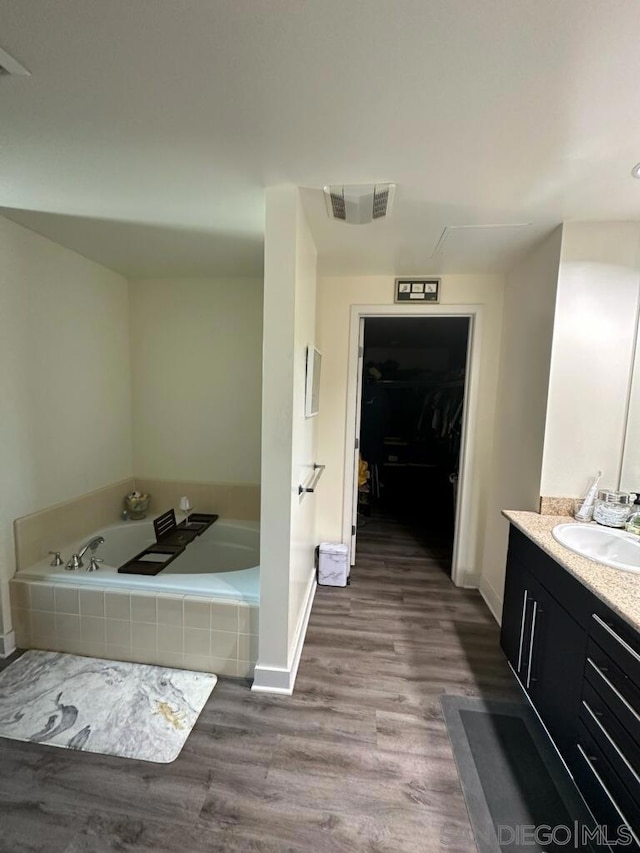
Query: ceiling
[(149, 128)]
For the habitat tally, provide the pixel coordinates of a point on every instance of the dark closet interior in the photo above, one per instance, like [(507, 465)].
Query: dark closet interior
[(411, 421)]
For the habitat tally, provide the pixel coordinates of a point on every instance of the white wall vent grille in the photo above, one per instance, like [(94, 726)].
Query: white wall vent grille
[(359, 204)]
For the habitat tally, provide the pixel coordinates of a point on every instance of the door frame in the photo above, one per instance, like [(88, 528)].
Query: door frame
[(356, 449), (463, 569)]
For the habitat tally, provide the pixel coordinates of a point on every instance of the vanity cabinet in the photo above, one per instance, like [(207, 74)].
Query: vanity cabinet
[(579, 664), (543, 642)]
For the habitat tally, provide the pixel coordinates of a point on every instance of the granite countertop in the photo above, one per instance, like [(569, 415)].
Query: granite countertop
[(618, 589)]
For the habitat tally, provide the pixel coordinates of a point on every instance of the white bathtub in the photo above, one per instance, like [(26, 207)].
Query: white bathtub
[(223, 563)]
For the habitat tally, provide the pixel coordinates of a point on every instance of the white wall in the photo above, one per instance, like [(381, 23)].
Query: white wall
[(64, 381), (525, 356), (196, 371), (570, 321), (630, 474), (592, 355), (288, 440), (303, 508), (336, 295)]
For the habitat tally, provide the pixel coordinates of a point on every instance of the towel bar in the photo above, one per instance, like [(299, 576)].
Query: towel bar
[(318, 471)]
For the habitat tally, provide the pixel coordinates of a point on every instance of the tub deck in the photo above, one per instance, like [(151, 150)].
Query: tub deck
[(187, 616), (223, 563)]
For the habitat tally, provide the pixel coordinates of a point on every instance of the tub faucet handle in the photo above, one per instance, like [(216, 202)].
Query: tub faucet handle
[(74, 563), (57, 559), (93, 564)]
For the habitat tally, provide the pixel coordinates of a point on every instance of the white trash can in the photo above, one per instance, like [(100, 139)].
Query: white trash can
[(333, 564)]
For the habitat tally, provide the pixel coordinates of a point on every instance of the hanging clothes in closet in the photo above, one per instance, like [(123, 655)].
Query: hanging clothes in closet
[(441, 418)]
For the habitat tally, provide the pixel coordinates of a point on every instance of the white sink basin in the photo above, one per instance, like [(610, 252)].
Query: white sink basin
[(606, 545)]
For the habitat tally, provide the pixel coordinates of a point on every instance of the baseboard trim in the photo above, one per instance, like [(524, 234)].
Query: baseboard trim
[(472, 580), (281, 680), (7, 644), (492, 600), (272, 679), (301, 633)]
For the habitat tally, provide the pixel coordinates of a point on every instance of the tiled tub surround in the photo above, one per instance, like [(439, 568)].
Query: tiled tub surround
[(157, 628), (49, 530), (200, 613), (229, 500)]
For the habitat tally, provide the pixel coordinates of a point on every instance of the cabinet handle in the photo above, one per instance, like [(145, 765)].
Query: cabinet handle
[(616, 637), (534, 668), (612, 742), (531, 641), (522, 620), (614, 689), (623, 819)]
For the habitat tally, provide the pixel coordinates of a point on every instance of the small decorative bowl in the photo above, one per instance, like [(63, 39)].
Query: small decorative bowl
[(137, 507)]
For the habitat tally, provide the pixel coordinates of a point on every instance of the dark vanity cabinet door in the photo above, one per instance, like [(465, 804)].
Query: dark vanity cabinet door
[(557, 667), (517, 616), (545, 647)]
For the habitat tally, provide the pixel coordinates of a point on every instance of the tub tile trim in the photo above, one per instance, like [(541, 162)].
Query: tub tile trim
[(91, 632)]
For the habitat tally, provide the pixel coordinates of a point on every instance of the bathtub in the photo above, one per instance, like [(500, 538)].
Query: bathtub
[(222, 563)]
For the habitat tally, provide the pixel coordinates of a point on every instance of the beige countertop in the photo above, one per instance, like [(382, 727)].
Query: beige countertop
[(618, 589)]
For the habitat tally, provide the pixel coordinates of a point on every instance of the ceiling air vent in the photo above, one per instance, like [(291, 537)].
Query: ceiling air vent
[(10, 66), (359, 204), (337, 204), (380, 201)]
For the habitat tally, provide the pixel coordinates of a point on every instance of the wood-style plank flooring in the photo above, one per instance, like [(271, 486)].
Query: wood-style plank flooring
[(357, 760)]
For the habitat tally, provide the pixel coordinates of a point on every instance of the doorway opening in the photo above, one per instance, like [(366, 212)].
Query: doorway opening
[(412, 382)]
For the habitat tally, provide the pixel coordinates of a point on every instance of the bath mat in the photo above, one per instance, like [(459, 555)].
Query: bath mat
[(512, 779), (126, 709)]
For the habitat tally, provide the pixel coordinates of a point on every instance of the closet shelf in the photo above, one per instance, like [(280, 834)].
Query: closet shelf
[(421, 383), (410, 465)]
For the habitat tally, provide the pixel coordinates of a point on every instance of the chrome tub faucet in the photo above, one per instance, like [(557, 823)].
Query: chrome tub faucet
[(76, 559)]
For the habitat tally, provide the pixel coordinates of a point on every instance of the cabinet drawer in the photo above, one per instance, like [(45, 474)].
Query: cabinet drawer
[(603, 789), (620, 749), (619, 641), (615, 689)]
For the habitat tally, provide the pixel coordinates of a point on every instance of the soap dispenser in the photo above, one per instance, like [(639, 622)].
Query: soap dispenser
[(633, 522)]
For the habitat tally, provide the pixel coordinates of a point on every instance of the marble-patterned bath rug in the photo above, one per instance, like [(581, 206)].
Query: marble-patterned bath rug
[(127, 709)]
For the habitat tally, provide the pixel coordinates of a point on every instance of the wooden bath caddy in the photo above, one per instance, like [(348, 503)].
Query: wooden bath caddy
[(198, 522), (172, 539), (152, 560)]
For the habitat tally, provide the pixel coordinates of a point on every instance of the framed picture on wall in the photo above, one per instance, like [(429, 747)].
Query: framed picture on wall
[(312, 390), (417, 290)]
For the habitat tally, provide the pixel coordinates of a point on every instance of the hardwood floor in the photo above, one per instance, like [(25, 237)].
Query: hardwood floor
[(357, 760)]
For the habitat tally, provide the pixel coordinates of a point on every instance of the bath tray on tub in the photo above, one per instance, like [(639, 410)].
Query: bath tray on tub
[(199, 522), (171, 538), (152, 560), (167, 531)]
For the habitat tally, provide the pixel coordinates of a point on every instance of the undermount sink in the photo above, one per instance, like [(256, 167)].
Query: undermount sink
[(606, 545)]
